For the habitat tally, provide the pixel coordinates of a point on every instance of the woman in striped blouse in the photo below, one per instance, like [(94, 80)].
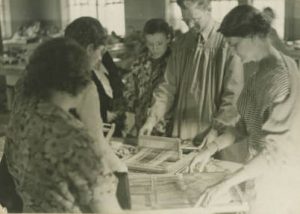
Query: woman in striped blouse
[(270, 117)]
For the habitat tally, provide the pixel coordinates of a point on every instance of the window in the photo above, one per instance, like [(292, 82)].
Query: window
[(82, 8), (221, 7), (5, 19), (109, 12), (279, 8), (112, 15)]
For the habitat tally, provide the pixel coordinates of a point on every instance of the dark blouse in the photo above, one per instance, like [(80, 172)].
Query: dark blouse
[(115, 80)]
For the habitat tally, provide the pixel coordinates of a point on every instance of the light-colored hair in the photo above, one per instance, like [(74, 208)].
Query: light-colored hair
[(205, 3)]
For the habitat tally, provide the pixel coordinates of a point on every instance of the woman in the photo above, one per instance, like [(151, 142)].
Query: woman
[(90, 34), (270, 116), (55, 163), (147, 72)]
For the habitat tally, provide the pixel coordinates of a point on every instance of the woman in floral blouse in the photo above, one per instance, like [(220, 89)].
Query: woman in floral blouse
[(146, 73), (55, 163)]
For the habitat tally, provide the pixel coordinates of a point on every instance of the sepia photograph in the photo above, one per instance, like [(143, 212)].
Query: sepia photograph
[(150, 106)]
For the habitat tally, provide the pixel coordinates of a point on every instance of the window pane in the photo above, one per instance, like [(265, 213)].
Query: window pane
[(221, 8), (112, 16), (5, 19), (80, 8), (109, 12)]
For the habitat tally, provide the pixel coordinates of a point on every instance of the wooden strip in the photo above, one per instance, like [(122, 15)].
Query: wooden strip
[(161, 143)]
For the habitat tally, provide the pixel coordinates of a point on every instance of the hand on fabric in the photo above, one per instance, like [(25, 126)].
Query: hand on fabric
[(200, 161), (212, 193), (147, 127)]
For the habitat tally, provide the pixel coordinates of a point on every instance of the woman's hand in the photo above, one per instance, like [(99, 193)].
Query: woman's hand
[(200, 161), (115, 163), (213, 193), (147, 127)]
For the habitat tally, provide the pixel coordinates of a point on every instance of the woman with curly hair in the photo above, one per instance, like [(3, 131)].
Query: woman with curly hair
[(270, 117), (55, 163)]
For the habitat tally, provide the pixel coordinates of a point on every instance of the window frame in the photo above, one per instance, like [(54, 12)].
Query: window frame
[(5, 19)]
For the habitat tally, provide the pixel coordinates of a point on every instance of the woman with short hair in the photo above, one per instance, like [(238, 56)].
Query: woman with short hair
[(146, 73), (270, 117), (91, 36)]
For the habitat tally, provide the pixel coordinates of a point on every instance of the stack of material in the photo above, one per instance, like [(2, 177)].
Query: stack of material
[(159, 155), (167, 191)]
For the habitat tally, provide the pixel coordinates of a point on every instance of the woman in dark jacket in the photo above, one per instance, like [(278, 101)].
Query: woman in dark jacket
[(86, 31)]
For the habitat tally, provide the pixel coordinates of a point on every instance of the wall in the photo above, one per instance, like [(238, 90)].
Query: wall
[(24, 11), (21, 12), (49, 11), (297, 20), (137, 12), (292, 20)]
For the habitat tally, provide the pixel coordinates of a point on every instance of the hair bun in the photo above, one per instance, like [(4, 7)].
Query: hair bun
[(260, 23)]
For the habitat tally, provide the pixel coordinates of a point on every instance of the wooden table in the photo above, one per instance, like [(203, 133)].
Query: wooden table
[(160, 193), (179, 192)]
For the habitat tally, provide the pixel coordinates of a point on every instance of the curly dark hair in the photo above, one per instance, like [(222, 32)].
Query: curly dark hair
[(153, 26), (57, 64), (86, 30), (244, 21)]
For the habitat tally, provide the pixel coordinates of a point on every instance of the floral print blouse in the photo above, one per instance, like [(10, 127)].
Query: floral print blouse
[(53, 160), (145, 75)]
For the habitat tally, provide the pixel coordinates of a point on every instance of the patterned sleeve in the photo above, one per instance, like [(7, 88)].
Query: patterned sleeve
[(227, 114), (130, 85), (90, 178), (278, 107)]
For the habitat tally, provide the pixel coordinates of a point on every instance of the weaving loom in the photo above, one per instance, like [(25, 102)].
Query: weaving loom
[(158, 155), (165, 191)]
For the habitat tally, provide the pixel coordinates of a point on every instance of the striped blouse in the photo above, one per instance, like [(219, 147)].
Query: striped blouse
[(267, 107)]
